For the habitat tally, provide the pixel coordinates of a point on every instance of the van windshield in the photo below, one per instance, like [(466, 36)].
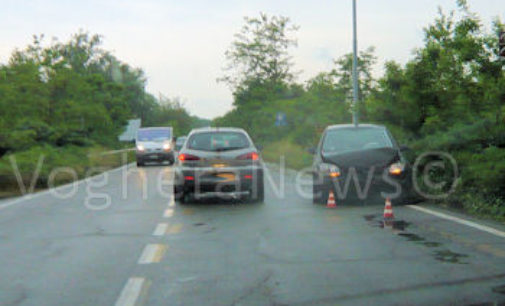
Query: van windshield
[(157, 135)]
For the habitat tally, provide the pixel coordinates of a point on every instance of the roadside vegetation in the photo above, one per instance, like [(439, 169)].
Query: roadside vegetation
[(66, 102), (450, 96)]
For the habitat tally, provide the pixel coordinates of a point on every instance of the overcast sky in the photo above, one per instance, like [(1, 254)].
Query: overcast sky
[(180, 44)]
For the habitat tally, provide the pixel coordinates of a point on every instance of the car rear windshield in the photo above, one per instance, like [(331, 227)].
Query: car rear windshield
[(355, 139), (154, 135), (218, 141)]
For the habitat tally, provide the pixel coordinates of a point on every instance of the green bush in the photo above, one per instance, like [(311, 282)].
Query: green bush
[(79, 159), (295, 156)]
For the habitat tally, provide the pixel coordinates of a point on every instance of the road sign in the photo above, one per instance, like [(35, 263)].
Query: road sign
[(502, 43), (280, 119)]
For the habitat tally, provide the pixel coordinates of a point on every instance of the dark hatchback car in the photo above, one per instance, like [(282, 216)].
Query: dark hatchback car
[(219, 162), (360, 163)]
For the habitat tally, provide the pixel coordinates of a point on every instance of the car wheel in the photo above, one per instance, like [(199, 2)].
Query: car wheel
[(184, 198), (322, 196), (316, 194), (180, 195), (140, 164), (259, 196)]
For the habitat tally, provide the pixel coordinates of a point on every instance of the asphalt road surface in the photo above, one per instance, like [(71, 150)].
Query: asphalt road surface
[(122, 240)]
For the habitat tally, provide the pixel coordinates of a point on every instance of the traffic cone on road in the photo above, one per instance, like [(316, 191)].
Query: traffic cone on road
[(388, 213), (331, 200)]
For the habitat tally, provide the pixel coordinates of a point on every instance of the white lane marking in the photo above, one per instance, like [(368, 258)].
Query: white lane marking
[(131, 292), (35, 195), (161, 229), (152, 253), (171, 203), (483, 228), (169, 212)]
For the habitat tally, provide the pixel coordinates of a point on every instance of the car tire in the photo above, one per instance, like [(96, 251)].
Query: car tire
[(140, 164), (316, 194), (260, 193), (180, 196), (184, 198), (321, 195)]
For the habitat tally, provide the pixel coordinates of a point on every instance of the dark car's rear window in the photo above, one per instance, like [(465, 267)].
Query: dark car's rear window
[(218, 141), (355, 139)]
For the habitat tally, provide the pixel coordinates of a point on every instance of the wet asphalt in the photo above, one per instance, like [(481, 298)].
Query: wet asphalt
[(87, 247)]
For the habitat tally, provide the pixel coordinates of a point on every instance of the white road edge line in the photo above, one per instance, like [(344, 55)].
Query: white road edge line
[(483, 228), (161, 229), (34, 195), (131, 292)]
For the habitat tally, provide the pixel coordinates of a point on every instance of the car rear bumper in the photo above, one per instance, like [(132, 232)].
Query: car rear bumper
[(373, 189), (211, 181)]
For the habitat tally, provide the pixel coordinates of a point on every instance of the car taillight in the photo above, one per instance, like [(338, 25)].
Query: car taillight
[(250, 155), (185, 157)]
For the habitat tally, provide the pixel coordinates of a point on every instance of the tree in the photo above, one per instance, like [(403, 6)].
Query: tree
[(259, 53), (343, 76)]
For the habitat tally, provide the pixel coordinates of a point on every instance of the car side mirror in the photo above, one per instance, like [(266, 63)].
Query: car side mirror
[(312, 151), (405, 148), (259, 147)]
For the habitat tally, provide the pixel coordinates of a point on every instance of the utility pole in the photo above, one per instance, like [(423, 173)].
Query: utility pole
[(354, 67)]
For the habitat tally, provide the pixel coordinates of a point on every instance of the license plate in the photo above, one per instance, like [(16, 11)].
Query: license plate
[(226, 176), (219, 165), (153, 157)]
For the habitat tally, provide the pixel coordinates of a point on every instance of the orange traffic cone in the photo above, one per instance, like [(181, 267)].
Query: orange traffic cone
[(331, 200), (388, 213)]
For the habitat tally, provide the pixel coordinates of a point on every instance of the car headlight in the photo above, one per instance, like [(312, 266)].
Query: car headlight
[(140, 147), (396, 168), (331, 170), (166, 146)]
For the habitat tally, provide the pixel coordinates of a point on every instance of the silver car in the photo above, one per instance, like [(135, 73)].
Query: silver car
[(219, 162)]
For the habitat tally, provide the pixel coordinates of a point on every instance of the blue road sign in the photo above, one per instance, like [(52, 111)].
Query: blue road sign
[(280, 119)]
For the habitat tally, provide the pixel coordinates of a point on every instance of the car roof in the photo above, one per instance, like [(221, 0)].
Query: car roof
[(218, 129), (156, 128), (361, 125)]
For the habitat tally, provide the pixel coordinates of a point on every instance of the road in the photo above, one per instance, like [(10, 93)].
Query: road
[(145, 249)]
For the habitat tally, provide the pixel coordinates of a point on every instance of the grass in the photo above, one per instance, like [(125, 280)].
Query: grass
[(295, 156), (84, 161)]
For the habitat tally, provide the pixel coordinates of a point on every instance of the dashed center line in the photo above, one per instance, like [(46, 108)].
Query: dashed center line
[(171, 203), (161, 229), (135, 287), (169, 212), (152, 254)]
